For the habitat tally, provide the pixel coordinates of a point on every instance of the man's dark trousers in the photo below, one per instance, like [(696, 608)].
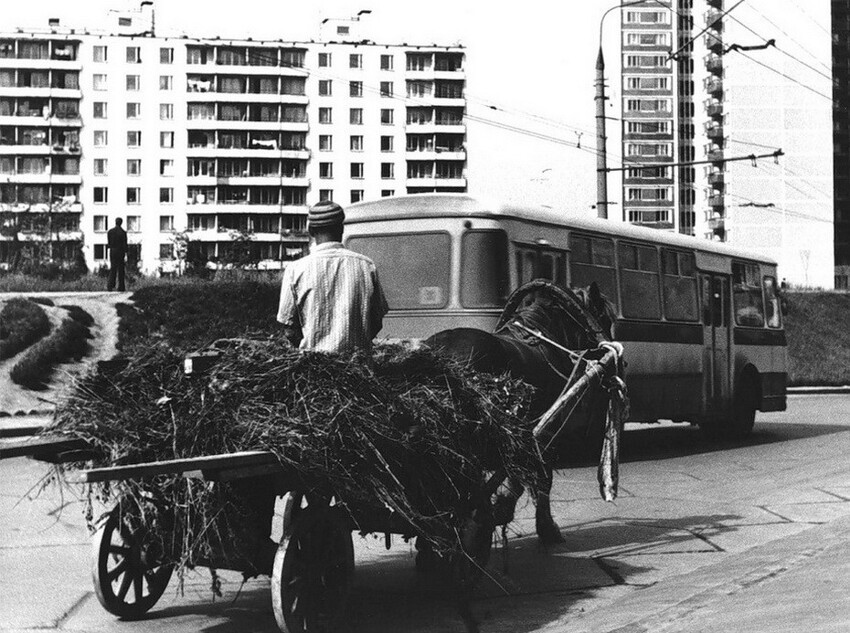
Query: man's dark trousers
[(116, 268)]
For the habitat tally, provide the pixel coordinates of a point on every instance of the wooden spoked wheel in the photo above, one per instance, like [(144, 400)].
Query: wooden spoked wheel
[(129, 574), (312, 572)]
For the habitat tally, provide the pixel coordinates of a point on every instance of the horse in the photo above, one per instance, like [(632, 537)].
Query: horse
[(538, 318)]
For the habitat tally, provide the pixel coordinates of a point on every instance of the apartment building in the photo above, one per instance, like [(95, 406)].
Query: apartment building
[(214, 141), (702, 89)]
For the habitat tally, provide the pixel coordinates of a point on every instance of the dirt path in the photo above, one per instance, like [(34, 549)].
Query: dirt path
[(15, 400)]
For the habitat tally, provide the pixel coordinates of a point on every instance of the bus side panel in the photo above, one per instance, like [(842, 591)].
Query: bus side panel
[(664, 379), (770, 362), (419, 325)]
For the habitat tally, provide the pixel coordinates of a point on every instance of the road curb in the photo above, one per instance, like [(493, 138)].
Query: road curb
[(806, 391)]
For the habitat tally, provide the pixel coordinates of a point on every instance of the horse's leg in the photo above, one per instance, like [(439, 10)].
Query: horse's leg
[(547, 530)]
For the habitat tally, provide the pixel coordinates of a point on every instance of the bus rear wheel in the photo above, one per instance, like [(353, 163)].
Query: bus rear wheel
[(743, 415)]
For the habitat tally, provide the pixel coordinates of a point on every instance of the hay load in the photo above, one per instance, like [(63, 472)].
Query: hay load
[(405, 429)]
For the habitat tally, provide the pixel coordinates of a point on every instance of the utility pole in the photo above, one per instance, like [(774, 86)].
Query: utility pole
[(601, 138)]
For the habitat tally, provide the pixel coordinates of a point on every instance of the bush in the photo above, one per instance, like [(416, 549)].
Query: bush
[(191, 315), (22, 323), (36, 366), (45, 301), (79, 315), (818, 338)]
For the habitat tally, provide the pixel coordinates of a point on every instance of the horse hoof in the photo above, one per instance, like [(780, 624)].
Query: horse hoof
[(550, 535)]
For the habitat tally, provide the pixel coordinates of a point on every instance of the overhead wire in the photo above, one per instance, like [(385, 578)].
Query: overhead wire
[(786, 76), (780, 210)]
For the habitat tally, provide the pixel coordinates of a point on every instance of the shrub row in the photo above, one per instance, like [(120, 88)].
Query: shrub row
[(79, 315), (36, 366), (22, 323)]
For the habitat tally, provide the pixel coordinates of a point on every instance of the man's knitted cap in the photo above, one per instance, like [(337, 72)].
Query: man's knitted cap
[(326, 213)]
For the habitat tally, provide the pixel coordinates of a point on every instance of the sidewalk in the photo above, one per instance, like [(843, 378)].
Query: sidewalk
[(798, 583)]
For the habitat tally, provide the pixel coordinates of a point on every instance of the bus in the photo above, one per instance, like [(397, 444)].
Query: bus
[(700, 321)]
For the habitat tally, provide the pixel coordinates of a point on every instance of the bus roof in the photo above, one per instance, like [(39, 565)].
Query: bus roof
[(451, 205)]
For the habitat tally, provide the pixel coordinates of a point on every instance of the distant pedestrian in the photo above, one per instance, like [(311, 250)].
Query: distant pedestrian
[(116, 243)]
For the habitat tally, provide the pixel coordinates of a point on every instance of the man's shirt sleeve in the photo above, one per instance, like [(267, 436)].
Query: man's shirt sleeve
[(287, 311)]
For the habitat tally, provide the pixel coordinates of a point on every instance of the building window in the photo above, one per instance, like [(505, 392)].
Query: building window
[(166, 223), (134, 196), (355, 116), (387, 170), (166, 167), (134, 223), (134, 55), (99, 110), (134, 83), (101, 138), (166, 195), (326, 143), (101, 195), (166, 111), (356, 195), (166, 82), (100, 251), (166, 251), (356, 144), (326, 170), (355, 60), (98, 82), (325, 115), (325, 87), (166, 55), (100, 223), (324, 60), (386, 89), (386, 143), (386, 116), (166, 139), (134, 110), (386, 62), (134, 167), (134, 138), (99, 54), (357, 171), (386, 193), (355, 88), (100, 166), (326, 194)]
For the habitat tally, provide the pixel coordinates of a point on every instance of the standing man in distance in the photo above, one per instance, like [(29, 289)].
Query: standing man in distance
[(116, 243), (331, 300)]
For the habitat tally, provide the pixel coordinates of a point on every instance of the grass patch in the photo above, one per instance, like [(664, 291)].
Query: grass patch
[(18, 282), (36, 365), (818, 338), (79, 315), (22, 323), (191, 315)]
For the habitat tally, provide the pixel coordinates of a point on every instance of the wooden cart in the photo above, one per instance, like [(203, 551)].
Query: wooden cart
[(314, 563)]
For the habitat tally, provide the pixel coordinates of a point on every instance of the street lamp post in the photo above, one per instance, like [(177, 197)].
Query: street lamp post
[(601, 137)]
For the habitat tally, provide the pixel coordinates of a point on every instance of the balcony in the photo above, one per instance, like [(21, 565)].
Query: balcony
[(714, 131), (716, 223), (714, 63), (716, 178), (714, 154), (714, 108), (714, 43), (715, 4), (716, 201), (714, 86), (714, 19)]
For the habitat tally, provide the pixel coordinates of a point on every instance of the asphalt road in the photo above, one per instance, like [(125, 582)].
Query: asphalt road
[(705, 536)]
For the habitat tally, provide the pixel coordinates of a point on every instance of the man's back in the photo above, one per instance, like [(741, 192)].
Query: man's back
[(116, 239), (334, 297)]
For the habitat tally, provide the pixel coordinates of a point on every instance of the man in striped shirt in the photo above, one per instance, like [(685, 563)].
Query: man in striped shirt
[(331, 300)]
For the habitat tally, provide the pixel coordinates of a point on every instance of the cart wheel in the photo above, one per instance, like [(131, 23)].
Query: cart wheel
[(312, 573), (129, 577)]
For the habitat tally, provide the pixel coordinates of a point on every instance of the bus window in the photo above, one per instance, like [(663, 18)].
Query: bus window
[(680, 285), (537, 262), (413, 268), (771, 303), (484, 269), (592, 259), (747, 294), (639, 281)]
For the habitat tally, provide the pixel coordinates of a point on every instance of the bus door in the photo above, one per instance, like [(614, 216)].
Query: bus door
[(716, 353)]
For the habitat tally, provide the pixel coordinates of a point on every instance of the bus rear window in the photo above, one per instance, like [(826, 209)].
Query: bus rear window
[(484, 269), (746, 294), (413, 268)]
